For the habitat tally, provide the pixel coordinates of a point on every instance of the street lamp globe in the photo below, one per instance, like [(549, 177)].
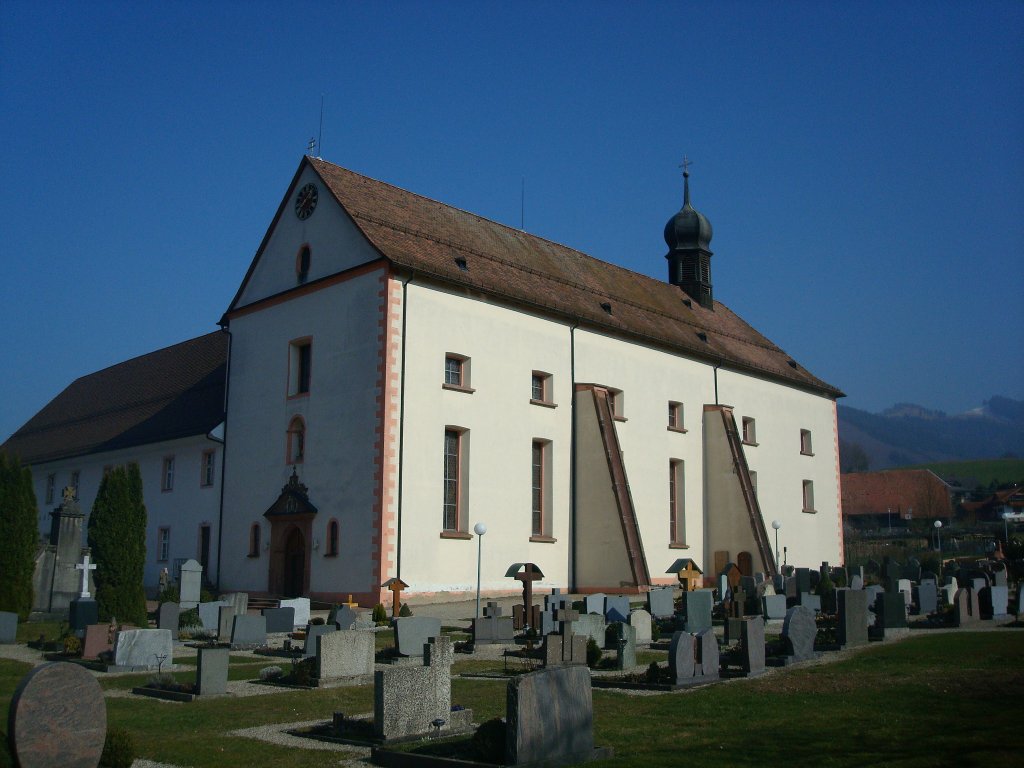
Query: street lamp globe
[(479, 529), (776, 524), (938, 523)]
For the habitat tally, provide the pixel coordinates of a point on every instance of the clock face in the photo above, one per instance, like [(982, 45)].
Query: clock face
[(305, 202)]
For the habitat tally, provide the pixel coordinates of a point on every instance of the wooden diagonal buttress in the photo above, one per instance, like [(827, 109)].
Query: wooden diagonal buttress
[(620, 484), (749, 497)]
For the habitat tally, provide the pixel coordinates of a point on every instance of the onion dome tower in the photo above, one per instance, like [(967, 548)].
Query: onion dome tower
[(687, 235)]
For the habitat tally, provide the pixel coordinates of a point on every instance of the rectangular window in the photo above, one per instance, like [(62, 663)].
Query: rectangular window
[(75, 477), (163, 544), (749, 431), (675, 416), (808, 496), (805, 442), (540, 388), (676, 503), (453, 479), (300, 366), (167, 475), (456, 372), (206, 469), (537, 487), (51, 484), (618, 400)]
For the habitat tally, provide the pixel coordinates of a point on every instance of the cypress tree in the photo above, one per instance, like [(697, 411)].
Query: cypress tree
[(19, 536), (117, 537)]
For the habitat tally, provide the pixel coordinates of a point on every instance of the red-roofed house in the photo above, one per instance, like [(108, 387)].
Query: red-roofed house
[(895, 497)]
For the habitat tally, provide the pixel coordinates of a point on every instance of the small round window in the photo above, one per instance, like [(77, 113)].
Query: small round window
[(302, 263)]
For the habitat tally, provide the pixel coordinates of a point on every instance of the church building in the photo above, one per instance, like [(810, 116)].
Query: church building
[(393, 371)]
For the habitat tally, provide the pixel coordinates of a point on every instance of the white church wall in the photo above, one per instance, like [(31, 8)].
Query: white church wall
[(649, 379), (779, 413), (182, 510), (335, 244), (504, 347), (342, 323)]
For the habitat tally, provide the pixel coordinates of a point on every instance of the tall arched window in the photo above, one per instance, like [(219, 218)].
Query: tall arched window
[(296, 441), (254, 540), (332, 538)]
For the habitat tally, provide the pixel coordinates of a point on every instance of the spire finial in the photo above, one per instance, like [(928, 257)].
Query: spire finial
[(686, 179)]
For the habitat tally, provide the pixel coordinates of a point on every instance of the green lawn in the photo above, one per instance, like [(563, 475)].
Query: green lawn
[(935, 699)]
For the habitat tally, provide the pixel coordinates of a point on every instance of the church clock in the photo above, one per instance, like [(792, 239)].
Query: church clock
[(305, 202)]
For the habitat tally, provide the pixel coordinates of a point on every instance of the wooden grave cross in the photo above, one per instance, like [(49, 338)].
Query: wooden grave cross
[(396, 586), (690, 577)]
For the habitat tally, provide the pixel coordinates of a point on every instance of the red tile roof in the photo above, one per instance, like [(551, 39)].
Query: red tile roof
[(874, 493), (425, 236), (168, 394)]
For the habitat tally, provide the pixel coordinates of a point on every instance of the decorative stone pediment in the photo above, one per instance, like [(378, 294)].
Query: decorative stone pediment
[(293, 502)]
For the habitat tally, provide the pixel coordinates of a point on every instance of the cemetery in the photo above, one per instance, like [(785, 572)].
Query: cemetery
[(552, 677)]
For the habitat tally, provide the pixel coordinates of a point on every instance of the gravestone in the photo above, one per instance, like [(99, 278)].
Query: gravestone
[(926, 597), (872, 568), (97, 641), (82, 611), (143, 649), (301, 606), (408, 699), (752, 646), (556, 600), (707, 664), (493, 627), (279, 619), (724, 591), (748, 584), (313, 633), (947, 592), (660, 602), (590, 625), (803, 580), (873, 591), (549, 717), (616, 608), (528, 614), (413, 632), (167, 617), (790, 589), (890, 613), (992, 602), (965, 608), (697, 607), (595, 603), (57, 718), (212, 671), (640, 620), (912, 570), (209, 615), (8, 627), (625, 651), (763, 589), (191, 584), (344, 653), (565, 647), (225, 622), (929, 576), (681, 658), (247, 631), (905, 587), (856, 581), (343, 617), (522, 619), (774, 606), (999, 576), (852, 627), (810, 601), (237, 600), (548, 625), (798, 633)]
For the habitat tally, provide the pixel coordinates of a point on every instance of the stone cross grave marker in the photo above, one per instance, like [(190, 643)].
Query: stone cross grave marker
[(565, 647), (85, 566), (493, 627)]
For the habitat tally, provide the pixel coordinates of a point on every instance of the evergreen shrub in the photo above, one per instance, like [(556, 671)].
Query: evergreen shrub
[(18, 536), (118, 749)]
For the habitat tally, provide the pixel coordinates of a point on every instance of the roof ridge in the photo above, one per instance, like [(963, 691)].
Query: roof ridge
[(139, 357)]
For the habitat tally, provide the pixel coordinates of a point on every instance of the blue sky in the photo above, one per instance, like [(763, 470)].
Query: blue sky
[(861, 163)]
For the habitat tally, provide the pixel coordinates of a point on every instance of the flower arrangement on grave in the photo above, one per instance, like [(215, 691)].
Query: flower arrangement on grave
[(269, 674), (72, 646), (165, 682)]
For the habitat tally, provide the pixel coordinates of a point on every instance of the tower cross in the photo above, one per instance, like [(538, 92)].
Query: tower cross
[(685, 165)]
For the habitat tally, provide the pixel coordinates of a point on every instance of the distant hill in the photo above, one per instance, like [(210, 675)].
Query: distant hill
[(909, 434), (982, 473)]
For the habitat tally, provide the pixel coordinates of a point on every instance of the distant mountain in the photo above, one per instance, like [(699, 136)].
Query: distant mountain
[(912, 434)]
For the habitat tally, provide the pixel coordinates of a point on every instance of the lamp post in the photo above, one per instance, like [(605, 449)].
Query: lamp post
[(938, 540), (889, 518), (1006, 526), (776, 525), (479, 529)]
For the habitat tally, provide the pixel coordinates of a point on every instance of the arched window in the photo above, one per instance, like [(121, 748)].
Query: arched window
[(302, 260), (254, 540), (296, 441), (332, 538)]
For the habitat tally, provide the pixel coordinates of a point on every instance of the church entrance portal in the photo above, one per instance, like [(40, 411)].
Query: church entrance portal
[(294, 563)]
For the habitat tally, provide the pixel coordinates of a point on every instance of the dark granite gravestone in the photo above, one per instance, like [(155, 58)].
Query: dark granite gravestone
[(697, 607), (992, 602), (279, 619), (872, 568), (616, 608), (926, 597), (707, 663), (413, 632), (798, 633), (344, 618), (660, 603), (625, 650), (912, 570), (549, 717), (752, 646), (313, 631), (891, 571), (890, 612), (774, 606), (840, 576), (852, 628), (248, 631), (83, 611), (493, 627), (521, 618), (681, 657), (58, 718), (803, 580), (8, 627), (167, 617), (790, 590), (594, 603), (212, 671)]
